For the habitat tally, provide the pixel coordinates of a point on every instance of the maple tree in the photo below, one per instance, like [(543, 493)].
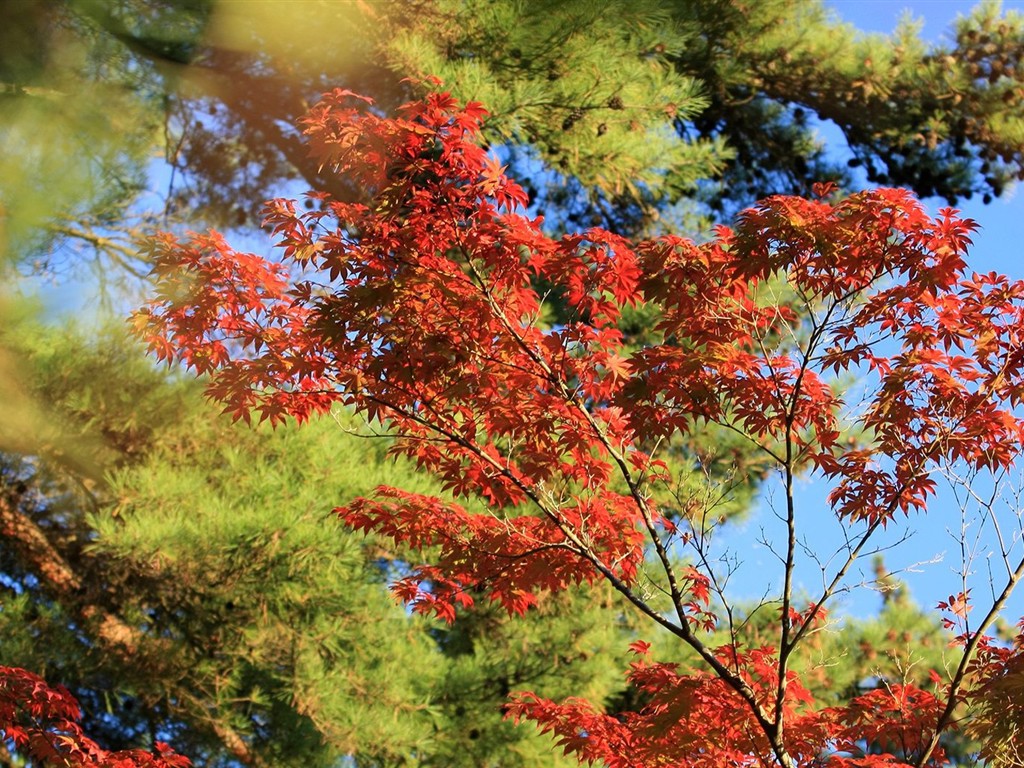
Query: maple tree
[(420, 311)]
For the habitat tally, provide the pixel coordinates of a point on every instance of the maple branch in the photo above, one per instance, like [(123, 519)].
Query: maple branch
[(681, 630), (786, 644), (956, 481), (772, 730), (663, 557), (946, 718), (641, 500), (717, 584), (830, 590)]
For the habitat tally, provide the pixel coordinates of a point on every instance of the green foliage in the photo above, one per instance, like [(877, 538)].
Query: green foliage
[(719, 99), (589, 85), (942, 120), (258, 620), (285, 609), (633, 109), (572, 645), (77, 127)]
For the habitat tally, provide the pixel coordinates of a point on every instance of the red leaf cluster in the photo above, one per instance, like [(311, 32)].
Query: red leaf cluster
[(40, 722), (696, 719)]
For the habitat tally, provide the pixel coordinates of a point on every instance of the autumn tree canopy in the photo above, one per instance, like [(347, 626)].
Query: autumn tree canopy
[(420, 310), (643, 115)]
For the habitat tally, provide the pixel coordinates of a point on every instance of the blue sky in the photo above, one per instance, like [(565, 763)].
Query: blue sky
[(883, 15)]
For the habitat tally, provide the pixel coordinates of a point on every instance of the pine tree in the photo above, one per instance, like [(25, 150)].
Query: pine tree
[(198, 592), (708, 104)]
